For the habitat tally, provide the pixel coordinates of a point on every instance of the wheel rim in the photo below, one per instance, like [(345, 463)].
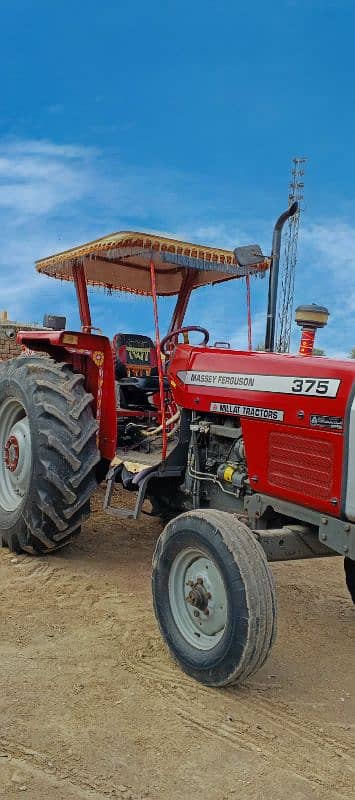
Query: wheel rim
[(198, 598), (16, 456)]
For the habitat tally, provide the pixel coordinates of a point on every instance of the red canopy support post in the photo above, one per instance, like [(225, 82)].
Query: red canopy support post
[(247, 280), (82, 296), (159, 361), (182, 301)]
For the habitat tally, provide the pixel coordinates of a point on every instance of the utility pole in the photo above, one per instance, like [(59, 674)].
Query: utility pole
[(288, 270)]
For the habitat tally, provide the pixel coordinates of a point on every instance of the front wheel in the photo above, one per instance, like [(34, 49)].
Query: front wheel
[(213, 597)]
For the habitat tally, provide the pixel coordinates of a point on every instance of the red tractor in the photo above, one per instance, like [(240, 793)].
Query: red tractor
[(257, 460)]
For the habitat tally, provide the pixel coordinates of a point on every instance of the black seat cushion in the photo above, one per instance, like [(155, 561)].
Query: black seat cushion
[(144, 383)]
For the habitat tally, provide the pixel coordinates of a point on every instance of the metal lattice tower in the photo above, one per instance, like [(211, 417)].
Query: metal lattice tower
[(285, 310)]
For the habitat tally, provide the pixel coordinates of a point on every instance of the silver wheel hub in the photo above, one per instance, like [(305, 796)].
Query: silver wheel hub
[(16, 456), (198, 598)]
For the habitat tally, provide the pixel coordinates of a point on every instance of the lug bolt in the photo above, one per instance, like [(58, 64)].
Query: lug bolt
[(196, 613)]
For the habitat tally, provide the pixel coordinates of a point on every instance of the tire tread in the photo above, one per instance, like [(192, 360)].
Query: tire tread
[(258, 584), (63, 478)]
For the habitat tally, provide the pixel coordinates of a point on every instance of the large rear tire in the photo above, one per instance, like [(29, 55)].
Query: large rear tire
[(48, 454), (214, 597), (349, 567)]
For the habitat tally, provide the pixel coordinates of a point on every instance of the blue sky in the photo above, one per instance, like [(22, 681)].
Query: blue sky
[(181, 118)]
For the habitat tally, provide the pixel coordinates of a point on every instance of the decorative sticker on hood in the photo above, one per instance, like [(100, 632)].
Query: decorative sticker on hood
[(271, 414), (280, 384)]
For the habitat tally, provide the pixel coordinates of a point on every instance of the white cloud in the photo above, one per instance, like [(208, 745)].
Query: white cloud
[(44, 147), (223, 235), (334, 242), (240, 337), (38, 177), (54, 195), (215, 235), (40, 184), (326, 275)]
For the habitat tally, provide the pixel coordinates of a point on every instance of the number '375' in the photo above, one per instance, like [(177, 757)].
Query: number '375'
[(308, 385)]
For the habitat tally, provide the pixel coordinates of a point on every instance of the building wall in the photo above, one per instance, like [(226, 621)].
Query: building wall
[(8, 331)]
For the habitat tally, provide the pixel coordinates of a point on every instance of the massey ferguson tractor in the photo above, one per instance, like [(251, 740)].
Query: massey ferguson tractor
[(257, 458)]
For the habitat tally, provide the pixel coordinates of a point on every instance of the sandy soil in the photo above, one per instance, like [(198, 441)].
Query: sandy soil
[(92, 707)]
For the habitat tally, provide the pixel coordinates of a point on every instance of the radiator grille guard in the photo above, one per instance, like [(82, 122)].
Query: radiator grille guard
[(301, 465)]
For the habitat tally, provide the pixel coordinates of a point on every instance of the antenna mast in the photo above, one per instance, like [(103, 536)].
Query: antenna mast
[(296, 188)]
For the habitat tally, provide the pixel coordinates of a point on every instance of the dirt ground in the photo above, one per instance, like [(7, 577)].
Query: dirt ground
[(91, 706)]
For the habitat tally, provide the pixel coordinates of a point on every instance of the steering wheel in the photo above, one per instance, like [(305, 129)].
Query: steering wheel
[(170, 337)]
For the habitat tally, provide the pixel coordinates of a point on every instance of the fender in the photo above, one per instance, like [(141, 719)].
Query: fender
[(91, 355)]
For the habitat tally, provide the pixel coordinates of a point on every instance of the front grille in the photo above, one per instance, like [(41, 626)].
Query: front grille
[(301, 464)]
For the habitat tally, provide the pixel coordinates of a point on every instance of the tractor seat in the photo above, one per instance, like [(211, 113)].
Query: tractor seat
[(136, 370), (135, 393), (144, 383), (134, 355)]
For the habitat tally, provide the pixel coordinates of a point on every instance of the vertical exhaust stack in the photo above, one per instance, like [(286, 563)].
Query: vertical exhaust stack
[(274, 276), (310, 318)]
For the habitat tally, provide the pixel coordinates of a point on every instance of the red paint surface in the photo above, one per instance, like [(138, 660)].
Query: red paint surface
[(82, 297), (82, 356), (160, 366), (291, 459), (305, 466), (307, 342)]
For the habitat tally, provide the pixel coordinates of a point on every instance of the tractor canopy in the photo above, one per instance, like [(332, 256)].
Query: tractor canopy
[(122, 261)]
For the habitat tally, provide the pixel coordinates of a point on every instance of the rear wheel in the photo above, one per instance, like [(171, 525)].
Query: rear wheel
[(213, 597), (349, 567), (48, 454)]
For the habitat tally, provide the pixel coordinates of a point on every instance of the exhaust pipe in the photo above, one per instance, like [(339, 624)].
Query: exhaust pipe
[(274, 276)]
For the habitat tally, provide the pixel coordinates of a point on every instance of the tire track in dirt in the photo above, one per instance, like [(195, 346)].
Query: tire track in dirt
[(270, 730), (37, 764), (36, 574), (24, 567)]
